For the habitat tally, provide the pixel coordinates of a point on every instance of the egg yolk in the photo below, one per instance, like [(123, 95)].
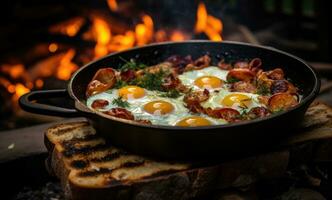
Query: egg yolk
[(131, 92), (240, 99), (158, 107), (194, 121), (208, 82)]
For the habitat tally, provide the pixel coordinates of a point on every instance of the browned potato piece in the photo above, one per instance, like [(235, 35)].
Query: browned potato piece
[(282, 101)]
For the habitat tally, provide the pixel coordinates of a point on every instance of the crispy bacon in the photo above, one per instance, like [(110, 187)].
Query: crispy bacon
[(120, 113), (180, 62), (243, 86), (282, 101), (193, 100), (241, 65), (103, 80), (143, 121), (200, 63), (224, 66), (128, 75), (240, 75), (228, 114), (263, 79), (276, 74), (171, 82), (255, 64), (258, 112), (99, 104)]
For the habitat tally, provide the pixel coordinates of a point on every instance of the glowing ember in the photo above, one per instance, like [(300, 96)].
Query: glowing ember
[(15, 71), (66, 67), (112, 4), (208, 24), (20, 89), (53, 47), (178, 36), (70, 27), (39, 83)]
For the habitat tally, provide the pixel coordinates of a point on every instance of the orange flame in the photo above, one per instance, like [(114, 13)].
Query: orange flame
[(208, 24), (20, 89), (112, 4), (66, 67), (102, 35), (69, 27), (144, 31)]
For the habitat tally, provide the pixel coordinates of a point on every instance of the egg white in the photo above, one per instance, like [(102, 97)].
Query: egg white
[(188, 78), (215, 101)]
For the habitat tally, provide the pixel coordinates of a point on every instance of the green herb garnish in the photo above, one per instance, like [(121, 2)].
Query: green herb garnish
[(131, 65), (263, 89), (120, 102), (232, 80), (152, 81), (171, 94), (120, 84)]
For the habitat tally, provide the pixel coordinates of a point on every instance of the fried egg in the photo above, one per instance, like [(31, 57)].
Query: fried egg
[(149, 105), (211, 78), (239, 101)]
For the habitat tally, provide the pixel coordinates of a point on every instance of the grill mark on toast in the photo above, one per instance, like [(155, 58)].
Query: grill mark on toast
[(91, 173), (79, 164), (83, 163), (103, 170), (77, 140), (131, 164), (71, 150), (64, 130), (108, 157)]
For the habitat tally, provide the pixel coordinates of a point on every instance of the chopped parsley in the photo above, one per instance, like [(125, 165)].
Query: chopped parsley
[(131, 65), (263, 89), (232, 80), (120, 84), (152, 81), (171, 94), (120, 102)]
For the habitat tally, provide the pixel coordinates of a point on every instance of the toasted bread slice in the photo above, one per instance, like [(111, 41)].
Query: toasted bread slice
[(84, 160), (91, 168)]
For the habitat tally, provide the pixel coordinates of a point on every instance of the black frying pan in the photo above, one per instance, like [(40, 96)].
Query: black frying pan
[(191, 142)]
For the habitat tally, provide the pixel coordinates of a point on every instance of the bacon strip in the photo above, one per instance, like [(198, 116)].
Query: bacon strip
[(120, 113), (103, 80)]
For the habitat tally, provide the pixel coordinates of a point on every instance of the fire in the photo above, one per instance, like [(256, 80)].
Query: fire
[(70, 27), (19, 80), (20, 89), (102, 35), (144, 31), (113, 5), (208, 24), (53, 47), (66, 67)]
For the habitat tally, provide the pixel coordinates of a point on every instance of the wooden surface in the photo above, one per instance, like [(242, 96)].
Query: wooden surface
[(23, 142)]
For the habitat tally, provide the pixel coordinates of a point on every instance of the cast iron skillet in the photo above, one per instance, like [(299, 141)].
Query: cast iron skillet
[(191, 142)]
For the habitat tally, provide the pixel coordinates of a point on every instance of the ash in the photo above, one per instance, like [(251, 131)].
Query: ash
[(50, 191)]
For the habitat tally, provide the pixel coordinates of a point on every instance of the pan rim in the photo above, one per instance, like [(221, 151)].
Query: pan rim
[(313, 93)]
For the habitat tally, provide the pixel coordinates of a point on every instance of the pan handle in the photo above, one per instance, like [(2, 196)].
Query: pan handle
[(27, 103)]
